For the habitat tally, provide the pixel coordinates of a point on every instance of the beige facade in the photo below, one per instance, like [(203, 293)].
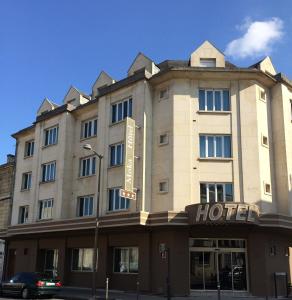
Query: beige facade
[(171, 125)]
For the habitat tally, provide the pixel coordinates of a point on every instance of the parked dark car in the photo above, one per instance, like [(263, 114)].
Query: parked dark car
[(28, 285)]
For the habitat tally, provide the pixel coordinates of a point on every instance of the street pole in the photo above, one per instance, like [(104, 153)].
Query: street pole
[(96, 229), (218, 277)]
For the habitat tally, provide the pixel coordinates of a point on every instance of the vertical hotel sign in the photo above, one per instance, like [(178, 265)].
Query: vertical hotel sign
[(128, 187)]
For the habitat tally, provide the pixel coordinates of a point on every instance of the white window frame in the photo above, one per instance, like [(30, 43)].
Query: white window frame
[(215, 145), (208, 62), (90, 166), (52, 137), (128, 260), (120, 208), (90, 125), (50, 172), (213, 100), (29, 148), (216, 193), (23, 209), (82, 257), (28, 181), (121, 158), (128, 114), (46, 209), (86, 202)]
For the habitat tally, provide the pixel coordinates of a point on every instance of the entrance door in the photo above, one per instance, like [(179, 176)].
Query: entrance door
[(227, 262)]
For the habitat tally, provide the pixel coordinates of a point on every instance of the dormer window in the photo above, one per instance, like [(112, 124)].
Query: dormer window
[(208, 62)]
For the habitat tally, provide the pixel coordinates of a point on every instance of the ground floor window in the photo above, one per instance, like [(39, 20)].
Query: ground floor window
[(82, 259), (212, 257), (51, 261), (126, 260)]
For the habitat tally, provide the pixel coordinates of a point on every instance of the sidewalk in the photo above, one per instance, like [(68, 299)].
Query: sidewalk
[(74, 293)]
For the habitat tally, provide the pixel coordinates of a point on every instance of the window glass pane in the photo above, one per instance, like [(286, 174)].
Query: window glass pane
[(125, 114), (202, 243), (209, 100), (219, 151), (111, 200), (113, 155), (117, 256), (133, 260), (90, 208), (127, 203), (202, 146), (203, 192), (117, 199), (228, 192), (114, 112), (226, 100), (81, 204), (130, 108), (124, 260), (227, 146), (211, 193), (95, 127), (76, 259), (217, 100), (210, 146), (120, 111), (86, 206), (123, 203), (119, 154), (220, 197), (201, 99), (93, 161)]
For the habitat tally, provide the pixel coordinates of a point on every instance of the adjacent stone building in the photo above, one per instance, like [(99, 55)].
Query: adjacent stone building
[(213, 175), (6, 191)]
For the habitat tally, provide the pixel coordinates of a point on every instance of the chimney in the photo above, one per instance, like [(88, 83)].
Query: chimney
[(10, 158)]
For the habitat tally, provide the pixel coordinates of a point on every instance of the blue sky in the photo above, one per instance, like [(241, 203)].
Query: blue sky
[(45, 46)]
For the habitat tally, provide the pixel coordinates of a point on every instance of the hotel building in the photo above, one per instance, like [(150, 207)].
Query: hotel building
[(213, 175)]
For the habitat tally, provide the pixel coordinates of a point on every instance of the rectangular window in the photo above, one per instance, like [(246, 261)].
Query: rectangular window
[(163, 139), (268, 189), (46, 209), (116, 202), (163, 187), (51, 261), (29, 148), (121, 110), (85, 206), (116, 155), (82, 259), (26, 181), (126, 260), (216, 192), (163, 94), (215, 146), (263, 95), (89, 128), (51, 136), (87, 166), (23, 214), (49, 171), (208, 62), (214, 100)]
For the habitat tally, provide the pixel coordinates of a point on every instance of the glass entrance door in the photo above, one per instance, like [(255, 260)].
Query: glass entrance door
[(231, 266)]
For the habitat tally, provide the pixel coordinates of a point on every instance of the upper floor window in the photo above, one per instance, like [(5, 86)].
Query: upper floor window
[(87, 166), (51, 136), (214, 100), (116, 155), (46, 209), (23, 214), (126, 260), (216, 192), (263, 95), (215, 146), (89, 128), (82, 259), (85, 206), (121, 110), (26, 181), (116, 202), (29, 148), (49, 171), (208, 62)]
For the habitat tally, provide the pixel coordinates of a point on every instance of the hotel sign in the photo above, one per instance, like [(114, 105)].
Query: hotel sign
[(128, 186), (223, 213)]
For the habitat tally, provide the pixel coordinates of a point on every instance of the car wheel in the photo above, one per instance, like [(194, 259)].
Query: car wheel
[(25, 293)]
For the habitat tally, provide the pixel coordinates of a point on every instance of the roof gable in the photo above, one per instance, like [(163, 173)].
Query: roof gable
[(75, 97), (207, 51), (265, 65), (102, 80), (141, 61), (46, 106)]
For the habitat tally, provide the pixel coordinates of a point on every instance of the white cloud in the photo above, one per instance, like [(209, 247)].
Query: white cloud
[(258, 39)]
